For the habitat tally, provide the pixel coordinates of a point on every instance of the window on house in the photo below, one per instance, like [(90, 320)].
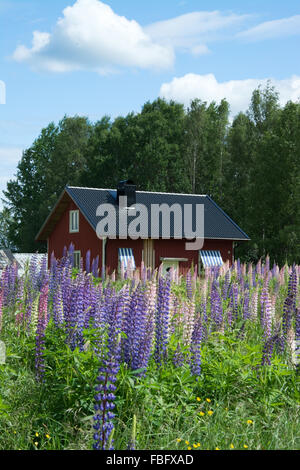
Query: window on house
[(77, 257), (74, 221)]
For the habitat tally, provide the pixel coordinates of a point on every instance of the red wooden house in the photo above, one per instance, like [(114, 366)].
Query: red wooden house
[(74, 220)]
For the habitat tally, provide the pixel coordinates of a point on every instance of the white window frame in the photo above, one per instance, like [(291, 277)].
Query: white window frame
[(77, 258), (74, 221)]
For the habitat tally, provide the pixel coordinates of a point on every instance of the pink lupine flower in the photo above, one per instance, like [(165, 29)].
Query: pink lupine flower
[(254, 304)]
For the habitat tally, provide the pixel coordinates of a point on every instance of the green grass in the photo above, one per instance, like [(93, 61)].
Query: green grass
[(164, 402)]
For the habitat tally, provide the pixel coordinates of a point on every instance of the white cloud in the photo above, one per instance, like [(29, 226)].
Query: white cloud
[(237, 92), (272, 29), (90, 35), (192, 31)]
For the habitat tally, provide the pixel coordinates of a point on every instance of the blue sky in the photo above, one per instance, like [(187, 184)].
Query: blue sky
[(92, 58)]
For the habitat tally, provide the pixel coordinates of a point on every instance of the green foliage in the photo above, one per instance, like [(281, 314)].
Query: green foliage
[(5, 222)]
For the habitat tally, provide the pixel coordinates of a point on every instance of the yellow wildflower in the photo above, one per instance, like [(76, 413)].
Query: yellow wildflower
[(201, 413), (245, 446), (198, 445), (195, 446), (210, 412), (187, 443), (249, 421), (208, 400), (37, 434), (231, 446), (189, 448), (198, 399), (36, 444), (217, 448), (47, 435)]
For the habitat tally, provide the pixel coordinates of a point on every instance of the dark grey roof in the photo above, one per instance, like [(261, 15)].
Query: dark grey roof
[(217, 224)]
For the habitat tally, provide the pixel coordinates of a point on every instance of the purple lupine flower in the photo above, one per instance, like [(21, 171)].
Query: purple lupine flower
[(140, 326), (254, 283), (20, 302), (226, 285), (100, 309), (162, 320), (4, 285), (146, 345), (114, 319), (78, 317), (95, 269), (40, 334), (238, 267), (297, 338), (88, 262), (103, 418), (234, 296), (143, 331), (1, 310), (43, 277), (216, 306), (90, 301), (58, 315), (289, 306), (9, 285), (246, 311), (195, 348), (128, 322)]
